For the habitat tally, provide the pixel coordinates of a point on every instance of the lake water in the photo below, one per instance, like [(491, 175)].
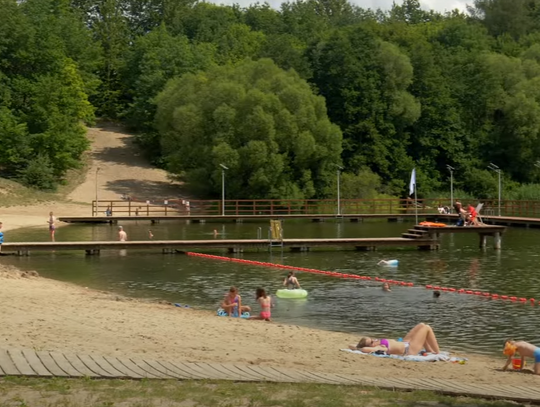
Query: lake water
[(460, 321)]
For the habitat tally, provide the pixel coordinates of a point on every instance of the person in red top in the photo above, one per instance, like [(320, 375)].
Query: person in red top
[(471, 216)]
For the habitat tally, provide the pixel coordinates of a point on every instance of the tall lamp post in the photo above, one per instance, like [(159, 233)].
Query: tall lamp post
[(451, 169), (339, 169), (223, 168), (495, 168), (97, 197)]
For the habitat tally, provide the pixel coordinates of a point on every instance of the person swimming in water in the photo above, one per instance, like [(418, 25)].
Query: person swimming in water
[(386, 287), (291, 282), (232, 303)]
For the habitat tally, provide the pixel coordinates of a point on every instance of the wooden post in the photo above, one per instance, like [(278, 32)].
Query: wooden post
[(497, 240), (129, 207), (483, 239)]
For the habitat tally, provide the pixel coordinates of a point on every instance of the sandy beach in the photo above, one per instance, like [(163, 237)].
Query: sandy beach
[(49, 315)]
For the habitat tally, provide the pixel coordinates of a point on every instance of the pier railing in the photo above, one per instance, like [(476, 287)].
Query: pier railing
[(277, 207)]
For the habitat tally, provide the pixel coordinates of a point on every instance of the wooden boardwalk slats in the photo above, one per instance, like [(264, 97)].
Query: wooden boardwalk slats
[(134, 368), (21, 363), (7, 365), (35, 363), (56, 361), (149, 369), (119, 366), (105, 365), (167, 373), (207, 371), (27, 362), (230, 370), (182, 374), (94, 367)]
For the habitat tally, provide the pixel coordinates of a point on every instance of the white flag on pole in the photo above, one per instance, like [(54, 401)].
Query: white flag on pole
[(412, 185)]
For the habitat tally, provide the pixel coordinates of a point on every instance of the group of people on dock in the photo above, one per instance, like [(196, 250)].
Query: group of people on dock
[(232, 302), (467, 217)]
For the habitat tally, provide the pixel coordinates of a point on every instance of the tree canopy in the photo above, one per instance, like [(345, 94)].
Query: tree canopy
[(264, 124), (406, 87)]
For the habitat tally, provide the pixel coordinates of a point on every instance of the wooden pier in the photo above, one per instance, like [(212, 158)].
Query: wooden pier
[(240, 218), (421, 237), (231, 245), (483, 231)]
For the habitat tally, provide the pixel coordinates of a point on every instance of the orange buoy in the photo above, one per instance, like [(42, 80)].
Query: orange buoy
[(461, 291), (522, 299), (504, 297), (513, 298), (452, 289), (468, 292), (429, 286), (486, 294), (532, 300), (495, 296)]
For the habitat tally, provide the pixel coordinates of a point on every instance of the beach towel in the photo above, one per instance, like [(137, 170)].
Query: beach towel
[(430, 357)]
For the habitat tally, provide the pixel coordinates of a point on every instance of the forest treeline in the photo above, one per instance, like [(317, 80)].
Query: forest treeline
[(284, 98)]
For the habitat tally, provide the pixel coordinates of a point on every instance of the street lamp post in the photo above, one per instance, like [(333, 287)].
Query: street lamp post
[(339, 168), (495, 168), (451, 169), (97, 197), (223, 168)]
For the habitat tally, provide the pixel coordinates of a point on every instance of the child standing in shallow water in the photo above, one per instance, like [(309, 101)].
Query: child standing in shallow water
[(525, 349), (265, 301)]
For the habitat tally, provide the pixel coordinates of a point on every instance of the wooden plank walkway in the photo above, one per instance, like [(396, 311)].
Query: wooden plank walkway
[(232, 245), (31, 363), (201, 218)]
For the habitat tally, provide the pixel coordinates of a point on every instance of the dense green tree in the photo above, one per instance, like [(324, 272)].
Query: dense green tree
[(365, 83), (263, 123), (43, 97)]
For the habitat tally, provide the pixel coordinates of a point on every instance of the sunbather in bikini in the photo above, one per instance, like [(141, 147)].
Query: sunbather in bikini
[(418, 338)]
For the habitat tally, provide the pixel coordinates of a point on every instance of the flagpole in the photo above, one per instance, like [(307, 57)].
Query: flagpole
[(415, 205)]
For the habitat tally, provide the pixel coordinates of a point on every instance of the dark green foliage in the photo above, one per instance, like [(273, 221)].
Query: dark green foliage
[(264, 124), (38, 174), (45, 74), (408, 87)]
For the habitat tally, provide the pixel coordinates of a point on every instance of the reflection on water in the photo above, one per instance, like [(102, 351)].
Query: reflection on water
[(460, 321)]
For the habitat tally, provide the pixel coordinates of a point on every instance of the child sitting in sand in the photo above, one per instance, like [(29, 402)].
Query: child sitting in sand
[(525, 349), (265, 301)]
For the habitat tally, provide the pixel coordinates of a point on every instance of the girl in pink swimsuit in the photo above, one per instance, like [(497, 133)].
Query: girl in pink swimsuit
[(265, 302)]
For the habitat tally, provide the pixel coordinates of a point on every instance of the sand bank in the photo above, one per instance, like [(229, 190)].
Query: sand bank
[(49, 315)]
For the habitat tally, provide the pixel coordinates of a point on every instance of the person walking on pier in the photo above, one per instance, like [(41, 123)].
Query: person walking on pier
[(1, 236), (122, 235), (52, 226)]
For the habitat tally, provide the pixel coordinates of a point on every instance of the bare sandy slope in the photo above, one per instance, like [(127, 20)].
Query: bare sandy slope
[(48, 315), (122, 170)]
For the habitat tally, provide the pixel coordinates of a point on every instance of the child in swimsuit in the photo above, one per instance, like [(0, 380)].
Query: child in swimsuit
[(232, 303), (265, 302), (525, 349)]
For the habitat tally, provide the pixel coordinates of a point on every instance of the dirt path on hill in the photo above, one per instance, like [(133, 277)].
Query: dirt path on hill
[(120, 169)]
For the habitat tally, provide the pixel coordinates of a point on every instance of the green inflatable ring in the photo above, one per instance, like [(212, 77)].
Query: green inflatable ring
[(296, 293)]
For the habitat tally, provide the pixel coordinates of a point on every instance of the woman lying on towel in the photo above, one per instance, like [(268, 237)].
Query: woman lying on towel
[(418, 338)]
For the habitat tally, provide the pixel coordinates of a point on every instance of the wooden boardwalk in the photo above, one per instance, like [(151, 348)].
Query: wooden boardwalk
[(238, 218), (232, 245), (31, 363), (392, 217)]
